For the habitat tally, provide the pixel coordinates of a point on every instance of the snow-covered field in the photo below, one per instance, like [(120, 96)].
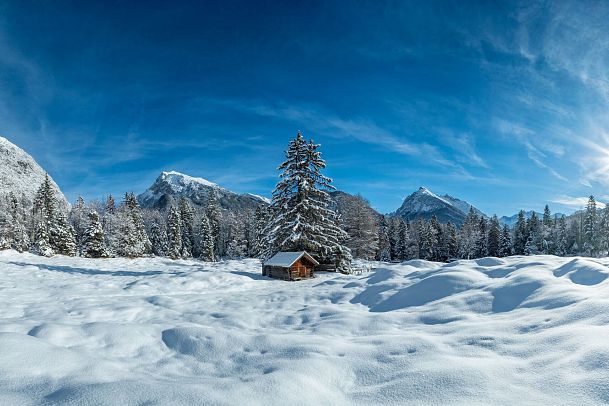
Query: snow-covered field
[(516, 331)]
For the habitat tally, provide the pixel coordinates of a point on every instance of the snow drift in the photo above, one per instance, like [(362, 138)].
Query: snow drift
[(520, 330)]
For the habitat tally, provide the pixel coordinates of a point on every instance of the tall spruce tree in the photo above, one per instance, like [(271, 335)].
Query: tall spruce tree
[(603, 232), (384, 248), (469, 235), (214, 216), (44, 214), (360, 224), (174, 234), (437, 235), (452, 241), (561, 239), (302, 217), (52, 231), (494, 237), (62, 236), (505, 242), (93, 245), (547, 238), (534, 236), (261, 218), (482, 239), (157, 230), (590, 228), (206, 240), (428, 238), (520, 234), (14, 228), (135, 212), (187, 217), (79, 221)]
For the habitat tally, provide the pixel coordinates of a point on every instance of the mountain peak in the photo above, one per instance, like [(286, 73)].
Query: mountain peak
[(21, 174), (172, 185), (425, 204), (180, 179)]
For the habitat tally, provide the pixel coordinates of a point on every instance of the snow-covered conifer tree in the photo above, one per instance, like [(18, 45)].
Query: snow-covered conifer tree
[(128, 236), (13, 227), (406, 249), (547, 232), (520, 234), (384, 249), (469, 235), (360, 224), (93, 245), (110, 205), (43, 213), (214, 216), (187, 217), (437, 242), (236, 247), (79, 222), (143, 241), (428, 241), (561, 240), (174, 234), (156, 229), (302, 217), (261, 218), (205, 240), (505, 242), (591, 228), (494, 237), (603, 232), (452, 241), (482, 238), (534, 237), (62, 236)]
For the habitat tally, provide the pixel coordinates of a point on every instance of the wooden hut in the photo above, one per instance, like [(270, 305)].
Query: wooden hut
[(290, 266)]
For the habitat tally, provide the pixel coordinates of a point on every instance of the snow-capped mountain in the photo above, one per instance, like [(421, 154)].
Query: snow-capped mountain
[(21, 174), (462, 205), (172, 185), (511, 220), (424, 204)]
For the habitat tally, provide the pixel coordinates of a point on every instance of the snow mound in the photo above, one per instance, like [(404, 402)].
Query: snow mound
[(525, 330), (490, 261), (583, 272)]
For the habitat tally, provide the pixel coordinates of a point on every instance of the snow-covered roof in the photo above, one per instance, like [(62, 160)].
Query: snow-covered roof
[(288, 258)]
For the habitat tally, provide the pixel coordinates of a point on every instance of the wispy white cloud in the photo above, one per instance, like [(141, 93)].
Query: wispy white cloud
[(463, 145), (363, 130), (523, 136), (575, 202)]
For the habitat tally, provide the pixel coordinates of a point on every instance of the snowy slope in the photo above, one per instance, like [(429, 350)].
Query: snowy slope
[(516, 331), (172, 185), (20, 173), (424, 204), (462, 205)]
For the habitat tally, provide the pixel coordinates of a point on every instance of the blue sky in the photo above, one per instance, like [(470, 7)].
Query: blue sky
[(504, 105)]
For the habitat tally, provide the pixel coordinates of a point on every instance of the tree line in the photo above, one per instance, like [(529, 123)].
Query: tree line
[(390, 238), (305, 214), (109, 229)]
